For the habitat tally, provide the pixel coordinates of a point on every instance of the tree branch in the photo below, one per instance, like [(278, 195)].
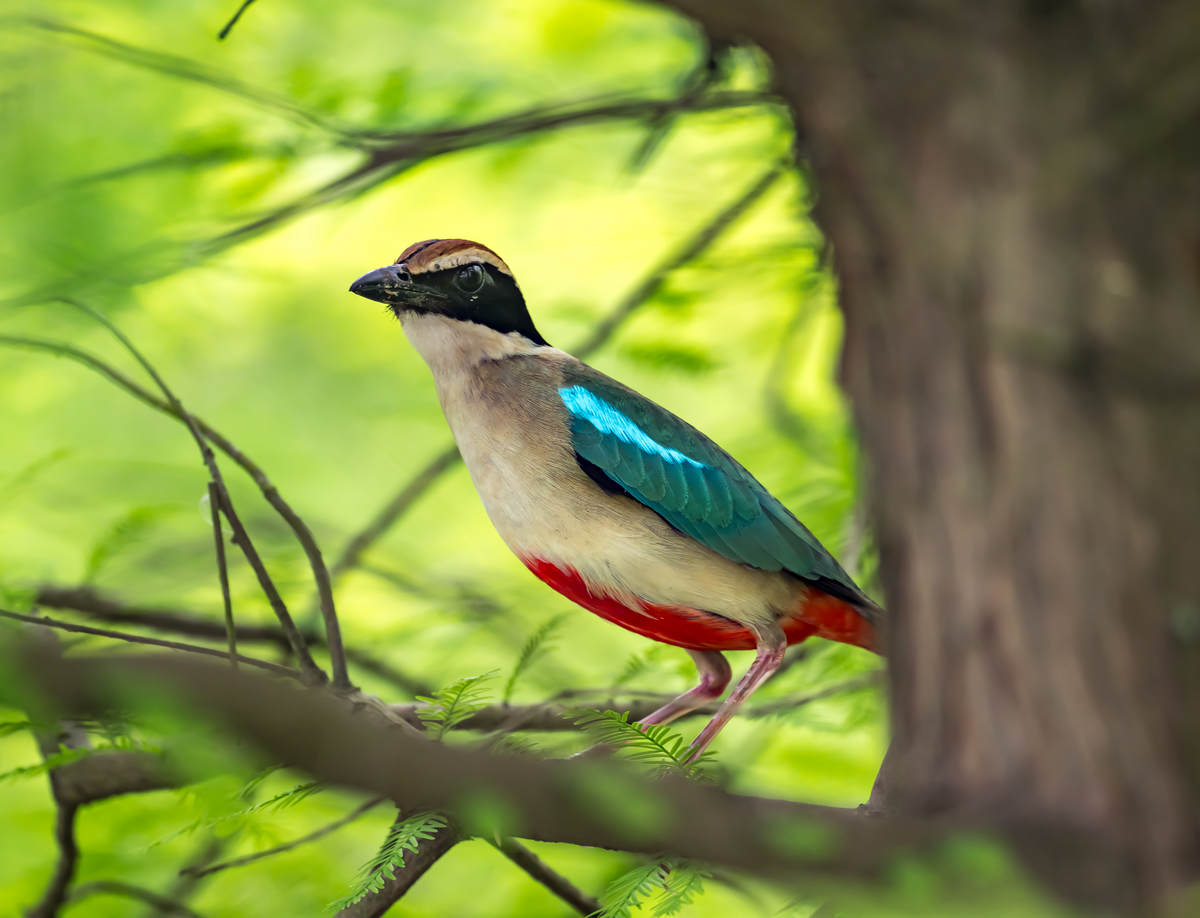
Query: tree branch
[(245, 859), (597, 803), (233, 20), (173, 621), (214, 499), (164, 904), (47, 622), (64, 869), (555, 716), (547, 876), (303, 534), (241, 537)]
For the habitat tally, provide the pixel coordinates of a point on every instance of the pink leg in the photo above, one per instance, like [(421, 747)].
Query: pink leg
[(714, 676), (771, 645)]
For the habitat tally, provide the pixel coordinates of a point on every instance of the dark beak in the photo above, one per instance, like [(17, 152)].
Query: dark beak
[(390, 285)]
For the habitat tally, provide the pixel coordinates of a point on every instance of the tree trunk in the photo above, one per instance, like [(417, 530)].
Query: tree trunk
[(1010, 192)]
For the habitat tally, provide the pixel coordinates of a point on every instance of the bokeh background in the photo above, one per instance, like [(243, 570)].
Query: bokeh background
[(189, 190)]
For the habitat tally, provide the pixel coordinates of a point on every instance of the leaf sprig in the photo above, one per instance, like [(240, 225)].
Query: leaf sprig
[(404, 835), (671, 882), (450, 706), (656, 744)]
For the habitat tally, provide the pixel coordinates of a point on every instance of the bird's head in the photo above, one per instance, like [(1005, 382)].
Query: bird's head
[(455, 278)]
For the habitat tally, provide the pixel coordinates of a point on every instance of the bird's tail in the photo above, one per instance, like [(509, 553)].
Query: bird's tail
[(851, 620)]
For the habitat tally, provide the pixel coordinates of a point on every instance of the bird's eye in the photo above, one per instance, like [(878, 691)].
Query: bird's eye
[(469, 278)]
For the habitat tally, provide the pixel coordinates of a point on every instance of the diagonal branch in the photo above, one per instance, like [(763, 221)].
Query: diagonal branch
[(245, 859), (546, 875), (233, 20), (165, 905), (303, 534), (689, 250), (173, 621), (241, 537), (214, 498), (46, 622)]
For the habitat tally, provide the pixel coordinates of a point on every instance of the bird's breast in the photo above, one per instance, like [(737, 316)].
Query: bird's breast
[(512, 430)]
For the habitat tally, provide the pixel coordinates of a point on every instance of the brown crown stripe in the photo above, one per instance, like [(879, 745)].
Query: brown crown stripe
[(441, 254)]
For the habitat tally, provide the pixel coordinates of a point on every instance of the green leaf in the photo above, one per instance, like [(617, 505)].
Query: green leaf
[(127, 531), (657, 744), (682, 882), (404, 835), (15, 726), (454, 704), (676, 880), (538, 645), (630, 890)]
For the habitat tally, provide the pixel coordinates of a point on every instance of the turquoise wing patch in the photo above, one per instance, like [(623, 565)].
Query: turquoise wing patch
[(684, 477)]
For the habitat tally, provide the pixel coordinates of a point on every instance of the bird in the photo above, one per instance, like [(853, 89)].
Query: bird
[(609, 498)]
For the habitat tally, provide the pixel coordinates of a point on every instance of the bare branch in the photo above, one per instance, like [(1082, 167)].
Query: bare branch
[(547, 876), (174, 621), (164, 904), (587, 802), (64, 869), (111, 774), (241, 537), (233, 20), (242, 861), (214, 498), (47, 622), (395, 508), (641, 293), (303, 534), (555, 716)]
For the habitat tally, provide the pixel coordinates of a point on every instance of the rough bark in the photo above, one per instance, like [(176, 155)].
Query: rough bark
[(1010, 192)]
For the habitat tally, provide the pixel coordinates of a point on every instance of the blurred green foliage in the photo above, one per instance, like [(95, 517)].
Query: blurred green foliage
[(134, 144)]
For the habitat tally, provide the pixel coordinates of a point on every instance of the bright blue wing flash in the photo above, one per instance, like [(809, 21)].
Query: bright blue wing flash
[(684, 477)]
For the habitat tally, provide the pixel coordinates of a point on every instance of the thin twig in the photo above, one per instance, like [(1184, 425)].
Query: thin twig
[(555, 716), (185, 885), (547, 876), (47, 622), (214, 499), (233, 20), (173, 621), (642, 292), (354, 814), (164, 904), (64, 868), (395, 508), (299, 528), (202, 432), (241, 537)]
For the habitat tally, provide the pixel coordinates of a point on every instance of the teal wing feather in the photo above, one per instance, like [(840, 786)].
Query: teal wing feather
[(683, 476)]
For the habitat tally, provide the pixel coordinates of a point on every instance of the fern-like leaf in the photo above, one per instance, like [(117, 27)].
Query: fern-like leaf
[(630, 890), (672, 883), (454, 704), (404, 835), (682, 882), (656, 745), (538, 645)]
